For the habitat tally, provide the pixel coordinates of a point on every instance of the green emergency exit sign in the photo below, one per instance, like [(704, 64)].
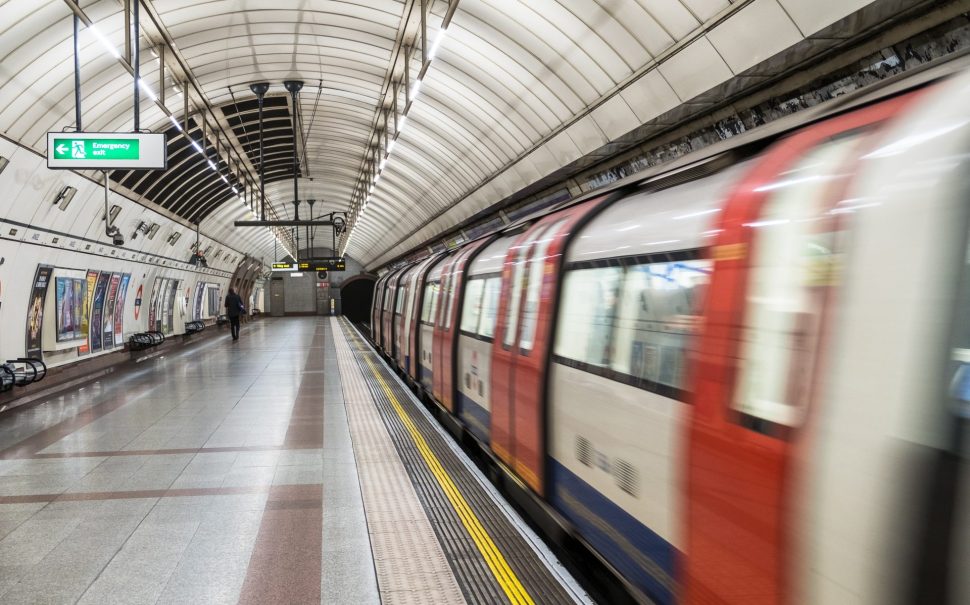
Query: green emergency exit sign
[(107, 150), (96, 149)]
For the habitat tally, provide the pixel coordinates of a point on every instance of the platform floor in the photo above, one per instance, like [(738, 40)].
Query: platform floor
[(288, 467)]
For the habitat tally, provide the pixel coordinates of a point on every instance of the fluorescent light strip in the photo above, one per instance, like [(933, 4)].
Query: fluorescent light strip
[(415, 91), (437, 43), (104, 41), (147, 89), (175, 123)]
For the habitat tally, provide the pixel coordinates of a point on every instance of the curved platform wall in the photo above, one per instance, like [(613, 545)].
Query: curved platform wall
[(35, 231)]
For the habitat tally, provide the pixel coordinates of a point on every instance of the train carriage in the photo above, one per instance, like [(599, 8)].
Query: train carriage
[(479, 314)]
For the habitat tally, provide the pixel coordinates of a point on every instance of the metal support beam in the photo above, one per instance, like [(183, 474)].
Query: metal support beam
[(161, 73), (259, 89), (424, 33), (285, 223), (136, 62), (128, 31), (77, 76)]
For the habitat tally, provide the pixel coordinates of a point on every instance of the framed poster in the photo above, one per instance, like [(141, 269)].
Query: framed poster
[(100, 292), (64, 308), (35, 310), (90, 283), (109, 308), (120, 309)]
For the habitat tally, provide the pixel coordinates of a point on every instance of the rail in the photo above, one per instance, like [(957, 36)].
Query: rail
[(145, 340), (194, 327), (20, 372)]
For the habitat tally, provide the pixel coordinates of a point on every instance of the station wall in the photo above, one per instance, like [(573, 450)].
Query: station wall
[(70, 239)]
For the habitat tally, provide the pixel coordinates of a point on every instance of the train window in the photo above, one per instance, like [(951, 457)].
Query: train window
[(472, 308), (588, 310), (430, 302), (658, 314), (387, 299), (791, 266), (518, 277), (537, 265), (493, 287), (401, 295), (449, 299)]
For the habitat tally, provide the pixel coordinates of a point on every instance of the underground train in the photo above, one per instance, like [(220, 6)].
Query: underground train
[(744, 379)]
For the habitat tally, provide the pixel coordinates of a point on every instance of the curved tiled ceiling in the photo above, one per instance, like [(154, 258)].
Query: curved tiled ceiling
[(517, 89)]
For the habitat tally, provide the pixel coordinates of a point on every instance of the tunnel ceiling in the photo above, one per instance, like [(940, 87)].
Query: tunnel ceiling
[(516, 90)]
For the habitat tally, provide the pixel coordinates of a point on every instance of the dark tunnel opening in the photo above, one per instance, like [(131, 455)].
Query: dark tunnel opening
[(356, 295)]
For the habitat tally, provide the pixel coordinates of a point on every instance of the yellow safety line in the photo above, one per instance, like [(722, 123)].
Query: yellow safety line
[(507, 579)]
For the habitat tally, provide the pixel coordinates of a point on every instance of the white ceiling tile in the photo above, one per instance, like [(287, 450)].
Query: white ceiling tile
[(695, 69), (753, 34), (615, 118), (817, 14)]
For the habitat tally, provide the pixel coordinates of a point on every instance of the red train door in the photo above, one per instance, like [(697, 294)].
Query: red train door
[(520, 353), (758, 363), (446, 329)]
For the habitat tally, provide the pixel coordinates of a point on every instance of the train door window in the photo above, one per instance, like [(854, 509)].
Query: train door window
[(518, 280), (472, 309), (585, 327), (792, 263), (658, 314), (450, 295), (429, 303), (399, 302), (387, 298), (493, 288), (536, 274)]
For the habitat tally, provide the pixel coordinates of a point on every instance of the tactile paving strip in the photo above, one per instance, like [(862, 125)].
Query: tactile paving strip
[(410, 564), (477, 580)]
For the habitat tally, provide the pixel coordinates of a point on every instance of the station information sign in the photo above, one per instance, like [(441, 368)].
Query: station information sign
[(284, 267), (334, 263), (107, 150)]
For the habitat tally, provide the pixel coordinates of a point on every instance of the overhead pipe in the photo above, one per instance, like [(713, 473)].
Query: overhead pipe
[(260, 89)]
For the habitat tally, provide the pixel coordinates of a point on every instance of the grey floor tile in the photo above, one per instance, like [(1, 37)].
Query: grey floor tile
[(140, 570)]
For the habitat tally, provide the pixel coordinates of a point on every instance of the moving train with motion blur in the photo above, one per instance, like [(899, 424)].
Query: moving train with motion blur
[(740, 379)]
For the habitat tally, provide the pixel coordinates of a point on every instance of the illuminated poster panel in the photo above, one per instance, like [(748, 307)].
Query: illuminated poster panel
[(109, 307), (197, 308), (120, 309), (90, 283), (100, 293), (35, 310), (153, 305), (64, 308)]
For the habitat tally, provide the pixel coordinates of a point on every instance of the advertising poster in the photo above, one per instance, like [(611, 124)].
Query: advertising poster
[(165, 300), (214, 306), (109, 307), (35, 309), (197, 309), (138, 294), (91, 282), (120, 309), (80, 286), (98, 311), (64, 308), (153, 305)]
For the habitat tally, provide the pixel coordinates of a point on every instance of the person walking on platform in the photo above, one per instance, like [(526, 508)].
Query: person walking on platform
[(234, 308)]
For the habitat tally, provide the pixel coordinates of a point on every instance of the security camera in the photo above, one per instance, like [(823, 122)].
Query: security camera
[(116, 238)]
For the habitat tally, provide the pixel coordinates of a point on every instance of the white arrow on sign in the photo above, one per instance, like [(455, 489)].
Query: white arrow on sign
[(61, 148)]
